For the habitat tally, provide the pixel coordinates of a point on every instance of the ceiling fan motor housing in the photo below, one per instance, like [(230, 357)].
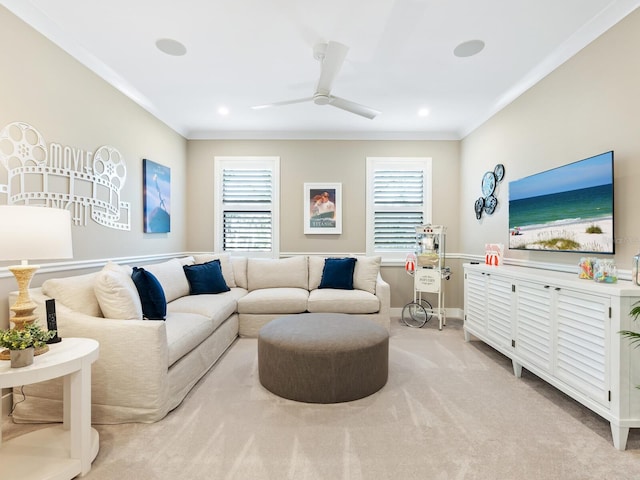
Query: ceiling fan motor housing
[(321, 99)]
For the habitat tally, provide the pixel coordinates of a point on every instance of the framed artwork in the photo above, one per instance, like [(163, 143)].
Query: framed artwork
[(322, 208), (156, 186)]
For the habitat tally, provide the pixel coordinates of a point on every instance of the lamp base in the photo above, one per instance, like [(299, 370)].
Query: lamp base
[(24, 306)]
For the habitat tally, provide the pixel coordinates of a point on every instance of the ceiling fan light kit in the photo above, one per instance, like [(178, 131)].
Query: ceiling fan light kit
[(331, 56)]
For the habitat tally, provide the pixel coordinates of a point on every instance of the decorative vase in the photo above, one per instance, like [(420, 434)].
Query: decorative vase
[(21, 358)]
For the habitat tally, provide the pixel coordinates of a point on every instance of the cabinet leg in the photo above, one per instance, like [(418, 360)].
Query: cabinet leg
[(620, 435), (467, 336), (517, 369)]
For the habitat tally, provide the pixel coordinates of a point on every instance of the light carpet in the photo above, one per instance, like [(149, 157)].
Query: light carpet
[(450, 410)]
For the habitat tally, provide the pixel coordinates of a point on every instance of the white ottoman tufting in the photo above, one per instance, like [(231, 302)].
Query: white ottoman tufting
[(323, 357)]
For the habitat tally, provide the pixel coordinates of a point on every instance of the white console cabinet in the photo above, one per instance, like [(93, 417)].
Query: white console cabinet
[(564, 330)]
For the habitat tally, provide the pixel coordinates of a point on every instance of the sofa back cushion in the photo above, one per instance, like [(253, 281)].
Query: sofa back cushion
[(240, 271), (117, 294), (189, 260), (171, 277), (75, 292), (290, 272), (225, 265), (365, 274), (316, 266)]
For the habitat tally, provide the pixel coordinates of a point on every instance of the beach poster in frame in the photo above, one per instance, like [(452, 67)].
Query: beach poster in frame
[(156, 181), (322, 208)]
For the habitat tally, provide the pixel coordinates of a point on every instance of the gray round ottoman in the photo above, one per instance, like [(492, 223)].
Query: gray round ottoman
[(323, 357)]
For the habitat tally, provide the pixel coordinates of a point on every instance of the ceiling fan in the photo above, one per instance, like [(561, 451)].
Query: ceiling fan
[(331, 56)]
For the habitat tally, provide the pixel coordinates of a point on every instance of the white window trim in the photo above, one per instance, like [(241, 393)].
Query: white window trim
[(396, 163), (248, 163)]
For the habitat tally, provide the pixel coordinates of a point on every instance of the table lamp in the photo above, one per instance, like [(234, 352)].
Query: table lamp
[(31, 233)]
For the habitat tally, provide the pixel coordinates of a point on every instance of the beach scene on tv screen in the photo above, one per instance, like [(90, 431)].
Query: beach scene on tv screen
[(569, 208)]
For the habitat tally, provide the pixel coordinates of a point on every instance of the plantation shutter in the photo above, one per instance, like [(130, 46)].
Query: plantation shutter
[(398, 197), (398, 201), (247, 197)]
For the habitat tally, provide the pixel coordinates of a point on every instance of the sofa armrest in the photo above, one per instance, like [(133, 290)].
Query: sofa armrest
[(131, 369), (383, 292)]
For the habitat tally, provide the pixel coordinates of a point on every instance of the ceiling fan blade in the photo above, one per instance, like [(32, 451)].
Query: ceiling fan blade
[(330, 65), (286, 102), (353, 107)]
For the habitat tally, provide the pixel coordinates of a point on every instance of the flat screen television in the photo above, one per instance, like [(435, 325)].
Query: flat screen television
[(565, 209)]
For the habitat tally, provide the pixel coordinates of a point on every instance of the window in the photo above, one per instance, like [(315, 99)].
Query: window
[(398, 200), (246, 205)]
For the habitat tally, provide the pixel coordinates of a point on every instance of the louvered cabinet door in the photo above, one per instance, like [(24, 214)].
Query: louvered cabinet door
[(582, 336), (534, 340), (500, 314), (475, 303)]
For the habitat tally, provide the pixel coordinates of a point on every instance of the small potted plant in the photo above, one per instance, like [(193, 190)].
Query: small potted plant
[(22, 342)]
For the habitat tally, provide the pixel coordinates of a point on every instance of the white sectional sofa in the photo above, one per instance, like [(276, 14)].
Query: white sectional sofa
[(146, 367)]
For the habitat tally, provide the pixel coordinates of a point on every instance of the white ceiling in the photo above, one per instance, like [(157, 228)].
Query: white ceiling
[(249, 52)]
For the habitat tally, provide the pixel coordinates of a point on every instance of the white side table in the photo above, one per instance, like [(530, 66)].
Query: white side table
[(60, 451)]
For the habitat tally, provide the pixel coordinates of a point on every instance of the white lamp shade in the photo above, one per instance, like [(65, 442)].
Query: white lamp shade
[(34, 233)]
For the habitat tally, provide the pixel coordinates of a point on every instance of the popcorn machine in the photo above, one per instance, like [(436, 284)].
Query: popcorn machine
[(428, 270)]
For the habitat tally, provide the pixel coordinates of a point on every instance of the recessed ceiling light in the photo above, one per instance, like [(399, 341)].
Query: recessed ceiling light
[(423, 112), (223, 111), (171, 47), (469, 49)]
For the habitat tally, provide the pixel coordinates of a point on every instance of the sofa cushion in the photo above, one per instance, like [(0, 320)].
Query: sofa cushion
[(329, 300), (225, 265), (186, 260), (117, 294), (216, 307), (75, 292), (277, 273), (316, 266), (154, 302), (185, 331), (240, 271), (338, 273), (365, 275), (274, 300), (205, 278), (172, 278)]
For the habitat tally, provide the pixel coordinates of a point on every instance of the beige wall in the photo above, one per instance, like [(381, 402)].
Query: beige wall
[(68, 104), (589, 105), (324, 161)]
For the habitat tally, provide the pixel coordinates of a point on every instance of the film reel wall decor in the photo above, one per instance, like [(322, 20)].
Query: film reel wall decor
[(488, 202), (88, 184)]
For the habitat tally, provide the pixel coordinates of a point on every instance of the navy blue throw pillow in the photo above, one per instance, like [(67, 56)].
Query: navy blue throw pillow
[(205, 278), (154, 303), (338, 273)]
